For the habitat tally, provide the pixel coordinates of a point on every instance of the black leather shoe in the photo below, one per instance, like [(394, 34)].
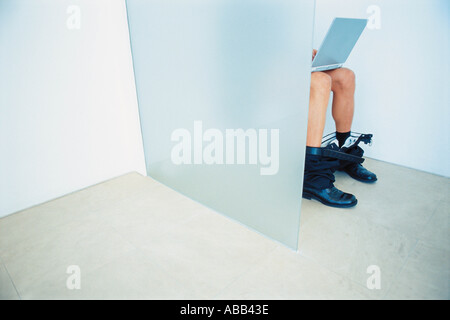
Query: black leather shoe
[(358, 172), (332, 197)]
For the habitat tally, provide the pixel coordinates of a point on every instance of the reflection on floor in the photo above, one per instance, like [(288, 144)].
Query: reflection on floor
[(133, 238)]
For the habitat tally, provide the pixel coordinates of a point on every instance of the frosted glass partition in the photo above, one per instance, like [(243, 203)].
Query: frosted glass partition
[(223, 90)]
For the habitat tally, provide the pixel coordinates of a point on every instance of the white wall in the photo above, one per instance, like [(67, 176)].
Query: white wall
[(68, 109), (402, 72)]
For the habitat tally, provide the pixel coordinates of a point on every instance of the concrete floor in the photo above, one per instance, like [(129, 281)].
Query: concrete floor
[(134, 238)]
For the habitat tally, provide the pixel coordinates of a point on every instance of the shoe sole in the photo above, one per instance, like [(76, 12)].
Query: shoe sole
[(309, 196)]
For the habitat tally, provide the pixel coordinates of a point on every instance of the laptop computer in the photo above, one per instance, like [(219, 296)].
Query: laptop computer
[(338, 43)]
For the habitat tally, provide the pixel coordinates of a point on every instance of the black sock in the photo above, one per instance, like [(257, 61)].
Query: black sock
[(342, 136)]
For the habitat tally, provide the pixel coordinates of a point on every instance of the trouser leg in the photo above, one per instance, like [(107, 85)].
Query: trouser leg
[(319, 180)]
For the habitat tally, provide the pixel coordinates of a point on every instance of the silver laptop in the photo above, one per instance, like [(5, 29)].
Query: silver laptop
[(338, 43)]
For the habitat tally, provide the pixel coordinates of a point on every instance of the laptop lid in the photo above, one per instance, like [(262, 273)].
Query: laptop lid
[(339, 41)]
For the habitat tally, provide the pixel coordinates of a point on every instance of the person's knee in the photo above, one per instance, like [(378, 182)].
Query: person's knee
[(320, 82), (344, 79)]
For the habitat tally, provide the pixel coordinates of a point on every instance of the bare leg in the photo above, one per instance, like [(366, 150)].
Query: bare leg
[(343, 87), (318, 103)]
